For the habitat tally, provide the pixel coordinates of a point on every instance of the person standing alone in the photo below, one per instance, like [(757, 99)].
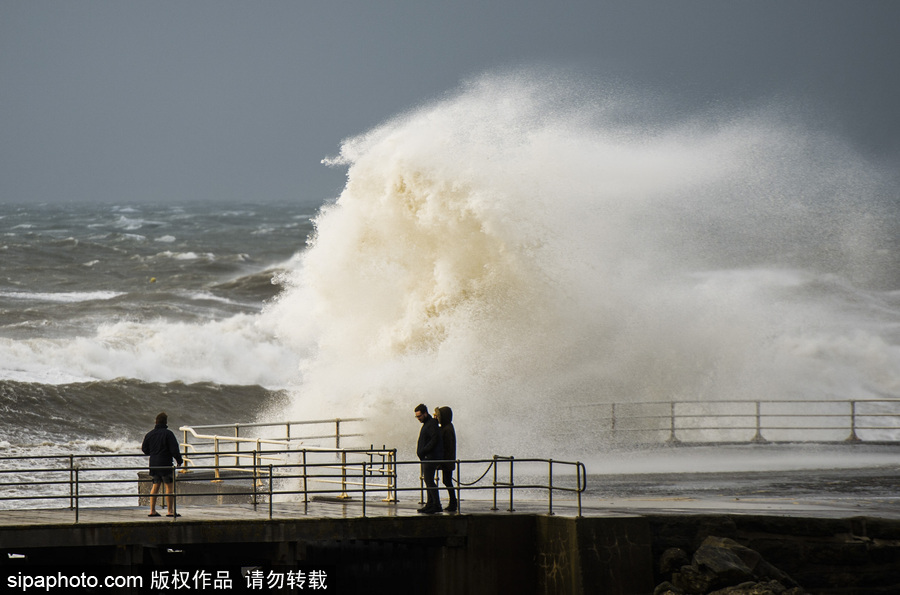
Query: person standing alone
[(429, 448), (162, 446)]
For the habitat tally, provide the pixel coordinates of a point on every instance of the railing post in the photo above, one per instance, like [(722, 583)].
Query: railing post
[(216, 449), (458, 489), (305, 480), (76, 495), (672, 439), (337, 433), (494, 464), (758, 438), (550, 487), (270, 493), (71, 482), (255, 477), (852, 437), (174, 511), (393, 474), (344, 495), (237, 445), (364, 489), (512, 483)]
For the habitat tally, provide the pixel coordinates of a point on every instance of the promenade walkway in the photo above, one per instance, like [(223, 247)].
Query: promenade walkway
[(626, 520), (835, 493)]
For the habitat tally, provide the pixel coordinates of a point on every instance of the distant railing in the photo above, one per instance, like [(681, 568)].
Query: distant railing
[(296, 476), (758, 421)]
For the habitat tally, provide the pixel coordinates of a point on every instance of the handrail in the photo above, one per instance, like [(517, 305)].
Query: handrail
[(305, 422), (287, 440), (361, 474), (750, 420), (337, 435)]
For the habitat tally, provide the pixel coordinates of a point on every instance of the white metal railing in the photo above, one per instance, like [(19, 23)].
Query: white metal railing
[(759, 421), (277, 435)]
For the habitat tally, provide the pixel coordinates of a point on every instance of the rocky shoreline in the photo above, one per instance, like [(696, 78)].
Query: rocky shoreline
[(721, 566), (752, 555)]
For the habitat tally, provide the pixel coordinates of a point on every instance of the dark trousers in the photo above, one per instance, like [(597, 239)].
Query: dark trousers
[(447, 480), (428, 471)]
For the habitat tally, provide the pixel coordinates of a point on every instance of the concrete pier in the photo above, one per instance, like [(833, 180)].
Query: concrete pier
[(482, 551), (833, 531), (612, 549)]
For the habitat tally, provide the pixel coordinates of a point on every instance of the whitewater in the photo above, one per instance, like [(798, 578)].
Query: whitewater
[(526, 245)]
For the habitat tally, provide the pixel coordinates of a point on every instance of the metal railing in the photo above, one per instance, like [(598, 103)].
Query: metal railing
[(300, 476), (551, 486), (759, 421), (48, 479), (262, 447), (275, 434)]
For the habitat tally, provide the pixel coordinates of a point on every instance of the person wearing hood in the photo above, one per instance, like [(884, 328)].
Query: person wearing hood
[(162, 446), (444, 416)]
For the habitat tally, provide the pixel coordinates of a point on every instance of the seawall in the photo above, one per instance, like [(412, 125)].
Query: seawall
[(479, 553)]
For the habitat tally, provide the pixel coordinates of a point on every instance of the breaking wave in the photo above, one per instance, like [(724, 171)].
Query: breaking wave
[(529, 243)]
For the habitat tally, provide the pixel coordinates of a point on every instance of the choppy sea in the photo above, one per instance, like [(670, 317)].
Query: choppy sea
[(110, 314)]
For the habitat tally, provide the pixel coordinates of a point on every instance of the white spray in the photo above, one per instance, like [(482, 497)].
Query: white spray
[(527, 245)]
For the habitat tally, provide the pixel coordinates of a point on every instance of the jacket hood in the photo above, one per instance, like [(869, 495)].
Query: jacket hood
[(446, 415)]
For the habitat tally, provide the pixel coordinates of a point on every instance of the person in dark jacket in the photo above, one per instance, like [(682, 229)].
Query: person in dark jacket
[(429, 448), (444, 416), (162, 446)]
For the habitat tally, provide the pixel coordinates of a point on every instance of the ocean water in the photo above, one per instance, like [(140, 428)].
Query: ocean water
[(110, 314), (517, 248)]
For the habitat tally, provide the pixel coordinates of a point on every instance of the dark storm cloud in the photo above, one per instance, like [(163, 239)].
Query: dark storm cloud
[(227, 100)]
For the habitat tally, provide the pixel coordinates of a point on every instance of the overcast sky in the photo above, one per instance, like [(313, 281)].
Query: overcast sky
[(147, 101)]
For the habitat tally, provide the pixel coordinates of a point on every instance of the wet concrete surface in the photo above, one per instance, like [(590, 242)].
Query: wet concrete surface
[(843, 480), (819, 483), (839, 480)]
